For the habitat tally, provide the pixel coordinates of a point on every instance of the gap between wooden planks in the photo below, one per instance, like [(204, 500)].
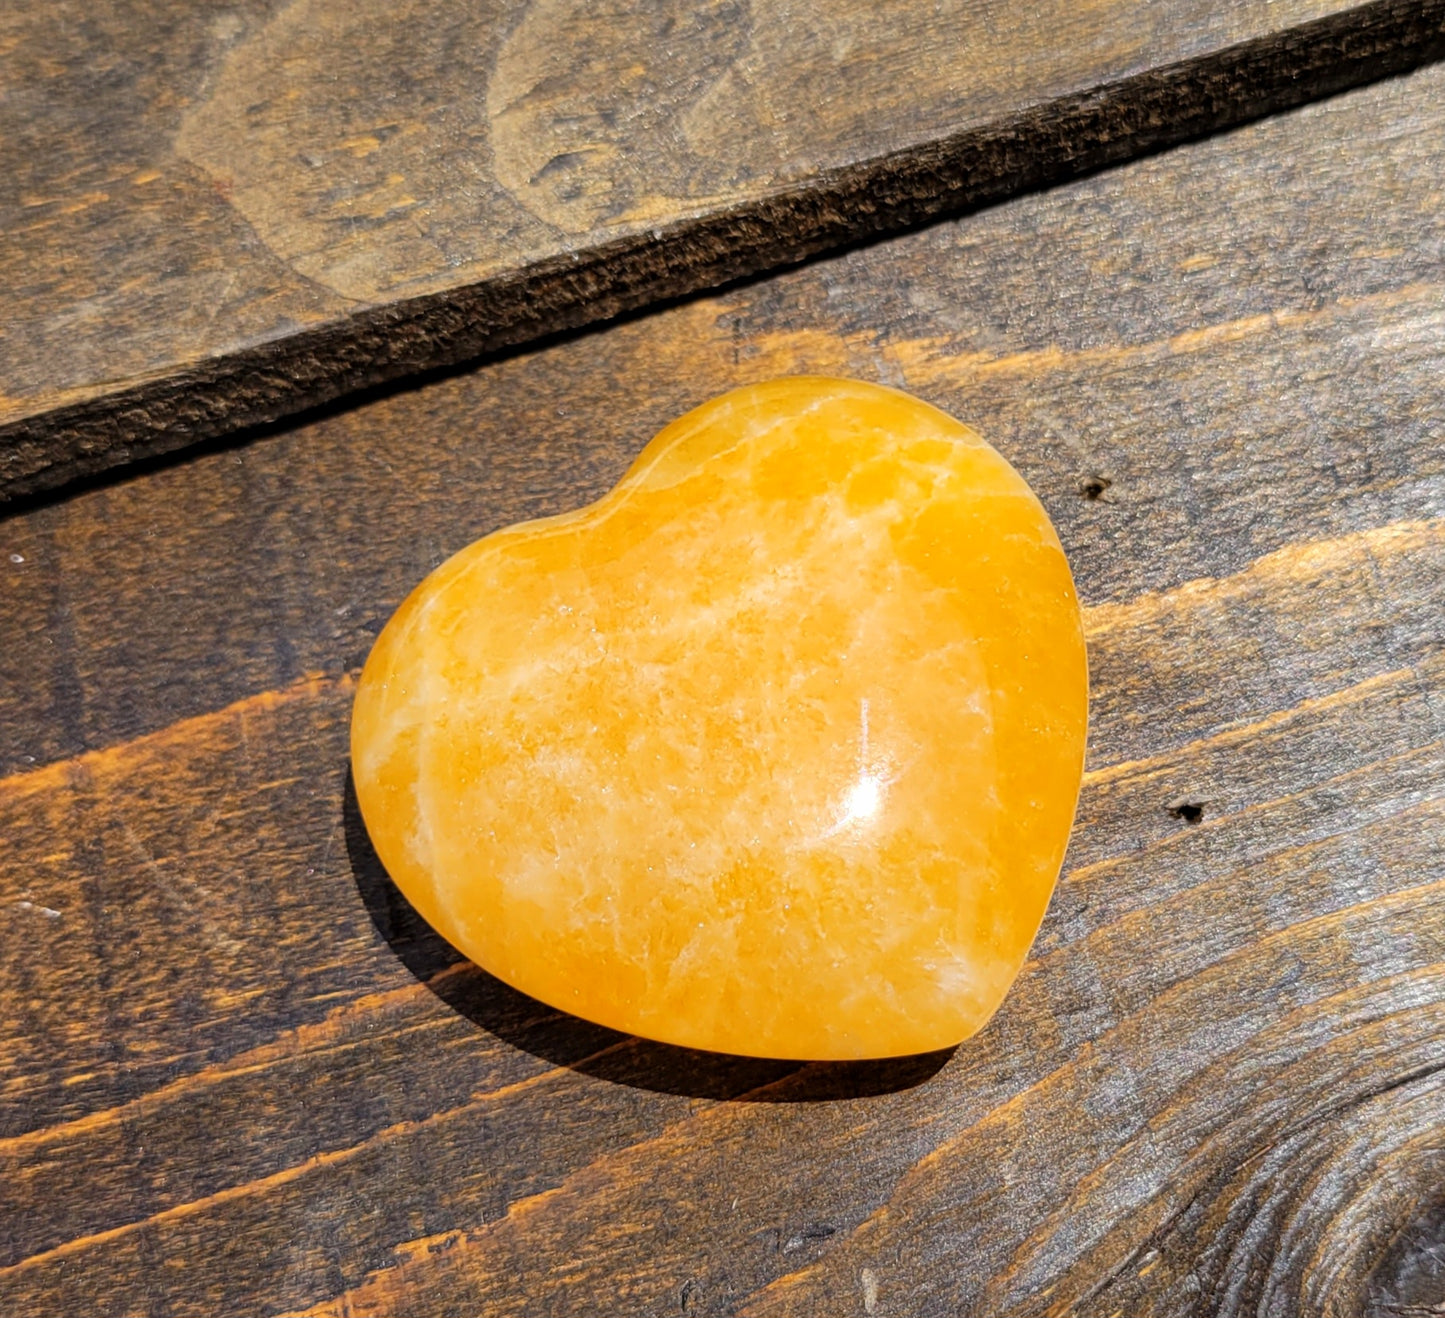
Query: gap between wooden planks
[(258, 212)]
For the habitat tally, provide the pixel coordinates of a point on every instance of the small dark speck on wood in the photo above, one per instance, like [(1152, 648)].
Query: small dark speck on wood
[(817, 1231), (1190, 811)]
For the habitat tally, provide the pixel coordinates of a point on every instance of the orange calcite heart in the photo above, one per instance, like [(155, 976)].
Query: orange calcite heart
[(772, 750)]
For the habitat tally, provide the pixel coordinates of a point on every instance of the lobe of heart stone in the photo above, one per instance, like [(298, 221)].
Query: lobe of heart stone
[(773, 750)]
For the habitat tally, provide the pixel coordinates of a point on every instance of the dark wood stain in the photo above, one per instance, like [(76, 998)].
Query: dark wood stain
[(219, 219), (241, 1076)]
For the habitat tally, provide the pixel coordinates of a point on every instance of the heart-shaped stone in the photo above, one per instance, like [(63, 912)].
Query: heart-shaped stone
[(772, 750)]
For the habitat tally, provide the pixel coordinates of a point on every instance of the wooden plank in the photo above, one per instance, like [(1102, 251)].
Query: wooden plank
[(215, 218), (241, 1077)]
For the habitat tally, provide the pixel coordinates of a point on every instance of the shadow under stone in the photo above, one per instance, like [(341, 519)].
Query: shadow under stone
[(565, 1040)]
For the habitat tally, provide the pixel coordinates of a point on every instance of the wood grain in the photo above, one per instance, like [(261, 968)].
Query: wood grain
[(240, 1076), (215, 217)]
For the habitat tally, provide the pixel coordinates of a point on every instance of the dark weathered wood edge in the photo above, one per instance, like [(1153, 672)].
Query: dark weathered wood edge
[(1042, 145)]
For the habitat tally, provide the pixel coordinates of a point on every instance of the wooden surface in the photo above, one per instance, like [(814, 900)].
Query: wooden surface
[(239, 1077), (213, 216)]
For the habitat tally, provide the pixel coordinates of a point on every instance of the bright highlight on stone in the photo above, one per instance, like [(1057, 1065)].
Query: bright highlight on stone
[(772, 750)]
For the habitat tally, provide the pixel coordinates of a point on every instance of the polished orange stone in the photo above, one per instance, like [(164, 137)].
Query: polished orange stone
[(772, 750)]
